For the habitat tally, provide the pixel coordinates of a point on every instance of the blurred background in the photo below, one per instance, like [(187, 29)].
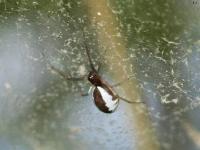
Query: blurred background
[(156, 43)]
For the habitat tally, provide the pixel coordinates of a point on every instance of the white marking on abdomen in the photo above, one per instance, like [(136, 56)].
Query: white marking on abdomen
[(110, 103)]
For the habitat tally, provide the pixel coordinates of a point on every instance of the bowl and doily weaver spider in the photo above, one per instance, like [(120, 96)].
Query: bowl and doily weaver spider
[(104, 95)]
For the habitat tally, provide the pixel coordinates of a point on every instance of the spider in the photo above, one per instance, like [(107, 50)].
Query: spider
[(104, 96)]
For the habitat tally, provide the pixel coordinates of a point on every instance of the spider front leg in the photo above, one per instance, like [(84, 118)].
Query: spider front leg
[(100, 63), (65, 76)]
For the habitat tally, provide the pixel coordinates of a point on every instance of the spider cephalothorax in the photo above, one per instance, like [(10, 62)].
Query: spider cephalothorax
[(94, 78)]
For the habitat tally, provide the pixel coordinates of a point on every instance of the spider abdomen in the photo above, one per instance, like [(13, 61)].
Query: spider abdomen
[(105, 100)]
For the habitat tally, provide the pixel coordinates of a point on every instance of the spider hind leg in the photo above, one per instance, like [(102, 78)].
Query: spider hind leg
[(128, 101)]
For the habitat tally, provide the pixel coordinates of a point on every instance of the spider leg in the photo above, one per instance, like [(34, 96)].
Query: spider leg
[(61, 73), (66, 77), (128, 101), (121, 82), (100, 63), (87, 93), (99, 67), (88, 52)]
